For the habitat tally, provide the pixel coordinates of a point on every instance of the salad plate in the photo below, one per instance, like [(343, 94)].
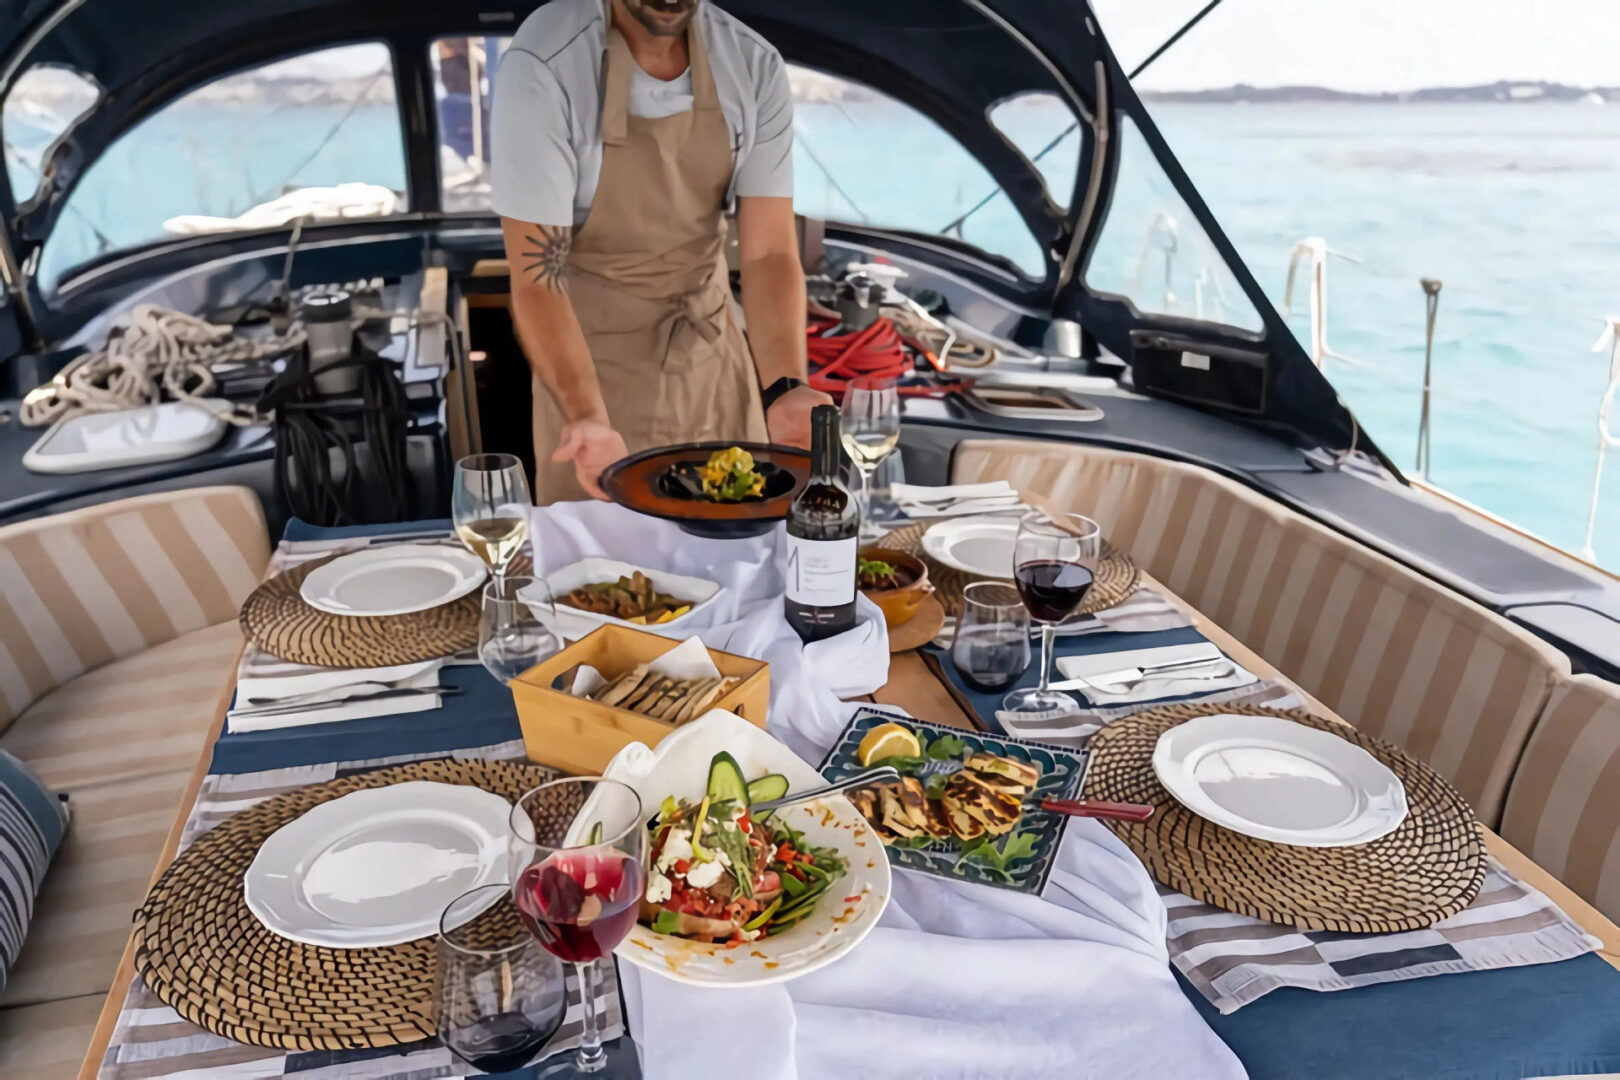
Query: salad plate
[(378, 867), (394, 580), (1272, 779), (829, 908), (1020, 854)]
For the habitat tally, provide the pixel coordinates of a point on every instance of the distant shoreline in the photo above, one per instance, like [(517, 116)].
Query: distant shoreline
[(1497, 93)]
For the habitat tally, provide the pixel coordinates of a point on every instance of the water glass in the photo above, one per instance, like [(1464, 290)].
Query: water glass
[(576, 847), (991, 645), (516, 627), (490, 505), (501, 995)]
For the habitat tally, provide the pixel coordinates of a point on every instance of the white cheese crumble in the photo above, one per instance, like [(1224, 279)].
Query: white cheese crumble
[(659, 888), (677, 846), (704, 874)]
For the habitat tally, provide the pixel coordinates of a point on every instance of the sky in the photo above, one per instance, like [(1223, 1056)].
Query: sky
[(1368, 45)]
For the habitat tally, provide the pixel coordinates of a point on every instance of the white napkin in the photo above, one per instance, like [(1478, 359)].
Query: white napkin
[(688, 660), (1219, 673), (358, 709), (260, 689), (992, 497)]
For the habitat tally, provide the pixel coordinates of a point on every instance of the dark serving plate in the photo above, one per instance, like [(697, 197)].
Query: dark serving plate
[(657, 482), (1063, 772)]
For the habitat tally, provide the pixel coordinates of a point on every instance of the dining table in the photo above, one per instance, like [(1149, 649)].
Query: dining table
[(1524, 1021)]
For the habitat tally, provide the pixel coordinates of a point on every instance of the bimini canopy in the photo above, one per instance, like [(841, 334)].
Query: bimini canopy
[(953, 60)]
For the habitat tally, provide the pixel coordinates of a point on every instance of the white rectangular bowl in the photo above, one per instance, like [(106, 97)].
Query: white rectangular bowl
[(595, 569)]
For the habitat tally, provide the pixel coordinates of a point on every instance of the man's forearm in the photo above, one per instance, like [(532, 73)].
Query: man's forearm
[(544, 318), (773, 302)]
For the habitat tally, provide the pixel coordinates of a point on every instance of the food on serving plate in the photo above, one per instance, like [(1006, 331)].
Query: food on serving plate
[(662, 697), (729, 476), (715, 874), (633, 599), (968, 795), (875, 575)]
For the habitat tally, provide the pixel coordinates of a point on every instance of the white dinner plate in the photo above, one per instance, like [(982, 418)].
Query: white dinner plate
[(595, 569), (393, 580), (843, 915), (378, 867), (982, 546), (1272, 779)]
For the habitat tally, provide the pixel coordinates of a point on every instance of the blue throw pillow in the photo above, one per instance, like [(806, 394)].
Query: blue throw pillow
[(32, 821)]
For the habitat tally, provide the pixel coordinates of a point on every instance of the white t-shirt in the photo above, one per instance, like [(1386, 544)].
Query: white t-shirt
[(546, 153)]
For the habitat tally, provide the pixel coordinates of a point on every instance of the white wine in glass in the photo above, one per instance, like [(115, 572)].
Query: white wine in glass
[(490, 506), (870, 429)]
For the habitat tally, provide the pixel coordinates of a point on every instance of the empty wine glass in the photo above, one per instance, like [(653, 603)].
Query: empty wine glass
[(577, 845), (516, 628), (1054, 562), (501, 994), (870, 429), (991, 645), (490, 504)]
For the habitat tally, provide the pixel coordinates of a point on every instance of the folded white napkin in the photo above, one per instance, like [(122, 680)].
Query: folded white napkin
[(991, 497), (1219, 673), (357, 709), (260, 689)]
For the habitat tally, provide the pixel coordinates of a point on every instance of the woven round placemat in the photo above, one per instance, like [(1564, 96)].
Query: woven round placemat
[(1116, 578), (207, 956), (277, 620), (1430, 867)]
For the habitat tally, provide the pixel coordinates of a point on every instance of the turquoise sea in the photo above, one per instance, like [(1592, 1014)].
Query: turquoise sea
[(1512, 207)]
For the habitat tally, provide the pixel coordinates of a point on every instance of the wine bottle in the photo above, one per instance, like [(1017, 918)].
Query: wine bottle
[(822, 529)]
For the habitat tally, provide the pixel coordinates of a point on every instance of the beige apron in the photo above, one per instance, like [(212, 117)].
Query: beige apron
[(648, 280)]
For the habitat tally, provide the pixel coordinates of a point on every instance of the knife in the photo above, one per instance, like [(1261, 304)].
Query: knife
[(311, 706), (1135, 674)]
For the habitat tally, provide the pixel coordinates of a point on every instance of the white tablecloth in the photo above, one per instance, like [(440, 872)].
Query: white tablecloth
[(957, 979)]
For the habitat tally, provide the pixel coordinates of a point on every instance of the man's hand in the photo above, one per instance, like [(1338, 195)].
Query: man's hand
[(592, 446), (788, 419)]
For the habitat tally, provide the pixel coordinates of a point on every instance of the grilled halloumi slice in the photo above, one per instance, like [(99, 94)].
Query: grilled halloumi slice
[(1014, 788), (894, 813), (997, 811), (1024, 774), (939, 820), (915, 801), (963, 824)]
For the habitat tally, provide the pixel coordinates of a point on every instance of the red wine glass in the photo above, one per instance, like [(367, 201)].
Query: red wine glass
[(577, 848), (1055, 559)]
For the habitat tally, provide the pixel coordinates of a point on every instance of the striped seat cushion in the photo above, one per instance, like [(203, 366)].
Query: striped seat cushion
[(33, 820), (83, 588), (1563, 809), (1396, 654)]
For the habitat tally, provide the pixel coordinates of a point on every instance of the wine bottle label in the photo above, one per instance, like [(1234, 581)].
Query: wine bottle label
[(820, 573)]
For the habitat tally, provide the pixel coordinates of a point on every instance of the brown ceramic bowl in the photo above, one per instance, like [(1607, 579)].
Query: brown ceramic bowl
[(899, 605)]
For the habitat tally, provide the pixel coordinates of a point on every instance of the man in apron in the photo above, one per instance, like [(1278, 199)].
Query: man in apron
[(622, 130)]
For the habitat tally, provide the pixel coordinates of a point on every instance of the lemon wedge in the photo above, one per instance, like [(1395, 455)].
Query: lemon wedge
[(888, 740)]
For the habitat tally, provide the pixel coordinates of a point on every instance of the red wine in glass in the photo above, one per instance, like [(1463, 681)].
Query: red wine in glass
[(581, 904), (1051, 588)]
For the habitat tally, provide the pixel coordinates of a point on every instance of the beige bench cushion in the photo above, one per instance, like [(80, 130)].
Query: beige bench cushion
[(1396, 654), (47, 1042), (1563, 809), (89, 586), (122, 742)]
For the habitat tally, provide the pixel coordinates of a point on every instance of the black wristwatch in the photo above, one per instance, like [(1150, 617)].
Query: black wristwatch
[(768, 396)]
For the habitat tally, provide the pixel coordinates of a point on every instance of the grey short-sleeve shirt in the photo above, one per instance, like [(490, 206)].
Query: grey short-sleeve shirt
[(546, 153)]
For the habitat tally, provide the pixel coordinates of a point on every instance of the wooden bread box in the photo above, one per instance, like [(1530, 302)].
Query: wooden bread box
[(581, 736)]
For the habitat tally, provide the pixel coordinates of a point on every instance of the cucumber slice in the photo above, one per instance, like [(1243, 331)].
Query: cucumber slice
[(766, 788), (726, 780)]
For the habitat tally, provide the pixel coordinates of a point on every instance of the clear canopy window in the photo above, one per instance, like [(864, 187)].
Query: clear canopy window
[(1045, 130), (1153, 252), (43, 103), (316, 137)]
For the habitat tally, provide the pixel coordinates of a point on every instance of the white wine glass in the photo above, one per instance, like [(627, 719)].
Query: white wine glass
[(516, 627), (870, 429), (490, 504)]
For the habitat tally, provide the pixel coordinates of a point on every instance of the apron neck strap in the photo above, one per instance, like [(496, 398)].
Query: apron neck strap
[(705, 98), (617, 66)]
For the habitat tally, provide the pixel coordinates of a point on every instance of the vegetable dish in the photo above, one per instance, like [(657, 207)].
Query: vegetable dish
[(633, 599)]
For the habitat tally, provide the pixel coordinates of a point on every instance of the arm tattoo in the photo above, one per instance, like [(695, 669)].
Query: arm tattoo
[(545, 255)]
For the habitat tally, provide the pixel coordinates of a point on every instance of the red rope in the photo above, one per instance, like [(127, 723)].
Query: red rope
[(879, 350)]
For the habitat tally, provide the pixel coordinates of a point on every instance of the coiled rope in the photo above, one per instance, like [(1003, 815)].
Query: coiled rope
[(156, 351)]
